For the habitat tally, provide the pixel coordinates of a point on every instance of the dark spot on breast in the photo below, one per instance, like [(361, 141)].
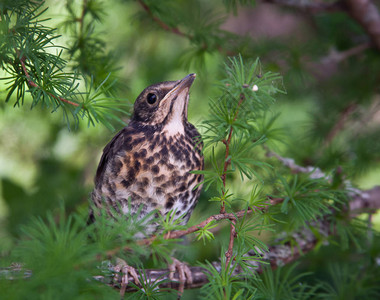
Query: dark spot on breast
[(175, 177), (137, 166), (126, 183), (145, 167), (143, 153), (164, 151), (191, 180), (143, 182), (150, 160), (182, 188), (136, 155), (135, 196), (126, 160), (138, 141), (163, 162), (169, 203), (155, 169), (159, 191), (177, 153), (156, 156), (159, 178), (111, 190), (152, 145)]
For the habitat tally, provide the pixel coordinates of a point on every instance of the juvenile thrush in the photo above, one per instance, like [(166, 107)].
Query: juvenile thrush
[(149, 161)]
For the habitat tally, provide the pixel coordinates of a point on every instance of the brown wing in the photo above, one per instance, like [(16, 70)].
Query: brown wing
[(109, 152)]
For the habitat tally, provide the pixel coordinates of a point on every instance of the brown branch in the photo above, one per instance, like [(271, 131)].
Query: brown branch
[(31, 83), (339, 125), (310, 6), (81, 19), (280, 254), (227, 143), (178, 32), (231, 243), (328, 65), (180, 233), (366, 14), (290, 163), (161, 23)]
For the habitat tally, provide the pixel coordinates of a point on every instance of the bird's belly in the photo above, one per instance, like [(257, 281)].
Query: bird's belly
[(161, 181)]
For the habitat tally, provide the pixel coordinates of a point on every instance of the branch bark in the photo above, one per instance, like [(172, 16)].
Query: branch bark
[(367, 15), (279, 254), (310, 6)]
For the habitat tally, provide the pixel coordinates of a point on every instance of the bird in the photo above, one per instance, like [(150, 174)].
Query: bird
[(147, 166)]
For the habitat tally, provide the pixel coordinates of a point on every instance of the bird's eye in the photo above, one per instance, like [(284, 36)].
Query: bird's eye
[(151, 98)]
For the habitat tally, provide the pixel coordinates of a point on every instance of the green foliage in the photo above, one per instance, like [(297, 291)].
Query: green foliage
[(306, 198), (328, 119), (26, 56), (283, 283), (58, 256), (223, 284), (151, 289), (348, 282), (205, 234)]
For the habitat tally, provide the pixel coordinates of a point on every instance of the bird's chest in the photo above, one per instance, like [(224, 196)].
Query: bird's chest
[(155, 174)]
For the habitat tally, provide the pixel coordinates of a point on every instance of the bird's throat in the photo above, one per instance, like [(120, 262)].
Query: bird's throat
[(177, 116)]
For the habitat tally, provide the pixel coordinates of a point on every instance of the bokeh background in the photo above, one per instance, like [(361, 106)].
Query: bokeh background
[(44, 165)]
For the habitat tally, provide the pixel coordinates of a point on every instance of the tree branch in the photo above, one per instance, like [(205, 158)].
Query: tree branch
[(367, 15), (31, 83), (310, 6), (278, 255), (161, 23), (363, 11)]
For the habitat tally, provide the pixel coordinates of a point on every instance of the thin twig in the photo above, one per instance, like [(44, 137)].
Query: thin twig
[(161, 23), (367, 15), (280, 254), (339, 125), (179, 233), (227, 160), (33, 84), (310, 6), (81, 19), (231, 243)]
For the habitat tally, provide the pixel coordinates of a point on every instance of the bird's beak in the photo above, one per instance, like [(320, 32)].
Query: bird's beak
[(181, 85), (185, 82)]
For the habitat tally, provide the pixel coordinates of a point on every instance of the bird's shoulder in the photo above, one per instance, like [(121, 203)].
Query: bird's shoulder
[(123, 142)]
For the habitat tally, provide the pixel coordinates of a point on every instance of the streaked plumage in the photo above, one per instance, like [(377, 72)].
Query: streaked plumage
[(150, 160)]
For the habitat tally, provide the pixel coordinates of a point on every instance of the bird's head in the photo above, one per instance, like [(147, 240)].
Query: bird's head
[(164, 104)]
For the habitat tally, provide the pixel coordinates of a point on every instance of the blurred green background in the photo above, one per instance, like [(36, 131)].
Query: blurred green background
[(43, 164)]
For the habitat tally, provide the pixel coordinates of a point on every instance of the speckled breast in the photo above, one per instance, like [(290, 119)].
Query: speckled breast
[(153, 171)]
